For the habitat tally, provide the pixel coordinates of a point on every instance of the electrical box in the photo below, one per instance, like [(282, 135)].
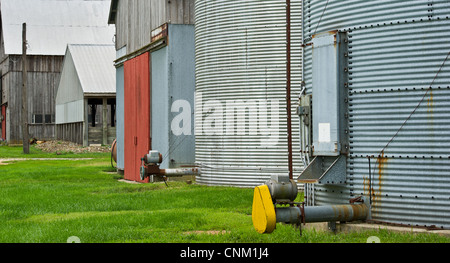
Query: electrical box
[(304, 109)]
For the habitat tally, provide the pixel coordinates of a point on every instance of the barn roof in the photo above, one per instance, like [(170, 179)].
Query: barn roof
[(94, 65), (52, 24)]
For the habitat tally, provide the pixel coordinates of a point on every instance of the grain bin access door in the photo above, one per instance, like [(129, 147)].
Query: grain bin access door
[(137, 139), (329, 107), (328, 94)]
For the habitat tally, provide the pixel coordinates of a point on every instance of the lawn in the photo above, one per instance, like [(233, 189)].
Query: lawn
[(48, 201)]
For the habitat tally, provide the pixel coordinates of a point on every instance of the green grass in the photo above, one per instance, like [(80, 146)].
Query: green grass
[(50, 201), (17, 152)]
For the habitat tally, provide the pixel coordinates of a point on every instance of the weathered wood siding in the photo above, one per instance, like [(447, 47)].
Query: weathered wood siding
[(2, 46), (71, 132), (43, 78), (134, 21), (96, 135), (4, 92), (37, 63), (3, 68), (41, 131)]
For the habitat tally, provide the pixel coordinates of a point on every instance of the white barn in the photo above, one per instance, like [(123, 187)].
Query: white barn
[(86, 96)]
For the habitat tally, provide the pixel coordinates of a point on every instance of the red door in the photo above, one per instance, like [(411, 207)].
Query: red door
[(137, 114), (3, 121)]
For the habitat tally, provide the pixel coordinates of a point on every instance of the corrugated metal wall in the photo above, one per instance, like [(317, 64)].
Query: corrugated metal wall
[(241, 67), (173, 85), (396, 49)]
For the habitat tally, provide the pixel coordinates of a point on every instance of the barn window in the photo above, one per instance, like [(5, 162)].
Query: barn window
[(37, 119), (49, 118)]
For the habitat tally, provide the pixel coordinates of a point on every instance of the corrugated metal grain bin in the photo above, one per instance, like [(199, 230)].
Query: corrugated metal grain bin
[(396, 92), (241, 78)]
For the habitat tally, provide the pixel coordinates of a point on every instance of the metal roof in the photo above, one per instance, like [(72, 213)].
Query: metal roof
[(52, 24), (94, 65)]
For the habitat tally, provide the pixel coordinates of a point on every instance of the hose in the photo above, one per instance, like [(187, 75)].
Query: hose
[(112, 152)]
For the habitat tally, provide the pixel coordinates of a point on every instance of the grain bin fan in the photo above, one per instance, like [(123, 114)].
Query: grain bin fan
[(323, 115), (274, 202)]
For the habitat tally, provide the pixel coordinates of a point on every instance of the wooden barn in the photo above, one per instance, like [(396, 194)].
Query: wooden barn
[(86, 97), (155, 68), (51, 26)]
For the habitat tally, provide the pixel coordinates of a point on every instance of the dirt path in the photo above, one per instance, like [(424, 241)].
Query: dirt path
[(62, 147), (6, 161)]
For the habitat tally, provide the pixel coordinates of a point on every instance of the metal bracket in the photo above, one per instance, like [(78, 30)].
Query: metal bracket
[(332, 226), (304, 109), (325, 170)]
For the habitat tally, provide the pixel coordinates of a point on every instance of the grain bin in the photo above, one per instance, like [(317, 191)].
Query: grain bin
[(241, 90), (393, 81)]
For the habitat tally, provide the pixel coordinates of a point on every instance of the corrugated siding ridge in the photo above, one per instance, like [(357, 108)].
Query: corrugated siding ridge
[(241, 55), (393, 58)]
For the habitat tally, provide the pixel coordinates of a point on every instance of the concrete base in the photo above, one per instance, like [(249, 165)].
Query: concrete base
[(128, 181), (186, 178), (361, 226)]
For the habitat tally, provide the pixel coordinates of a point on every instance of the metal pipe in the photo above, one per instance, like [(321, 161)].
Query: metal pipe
[(25, 130), (311, 214), (265, 213), (288, 86), (150, 167), (179, 172), (370, 182)]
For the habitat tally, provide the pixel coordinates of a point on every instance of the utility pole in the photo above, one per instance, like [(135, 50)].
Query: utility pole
[(25, 135), (288, 87)]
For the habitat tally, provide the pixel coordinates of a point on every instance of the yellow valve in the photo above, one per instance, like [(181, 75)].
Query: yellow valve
[(263, 210)]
